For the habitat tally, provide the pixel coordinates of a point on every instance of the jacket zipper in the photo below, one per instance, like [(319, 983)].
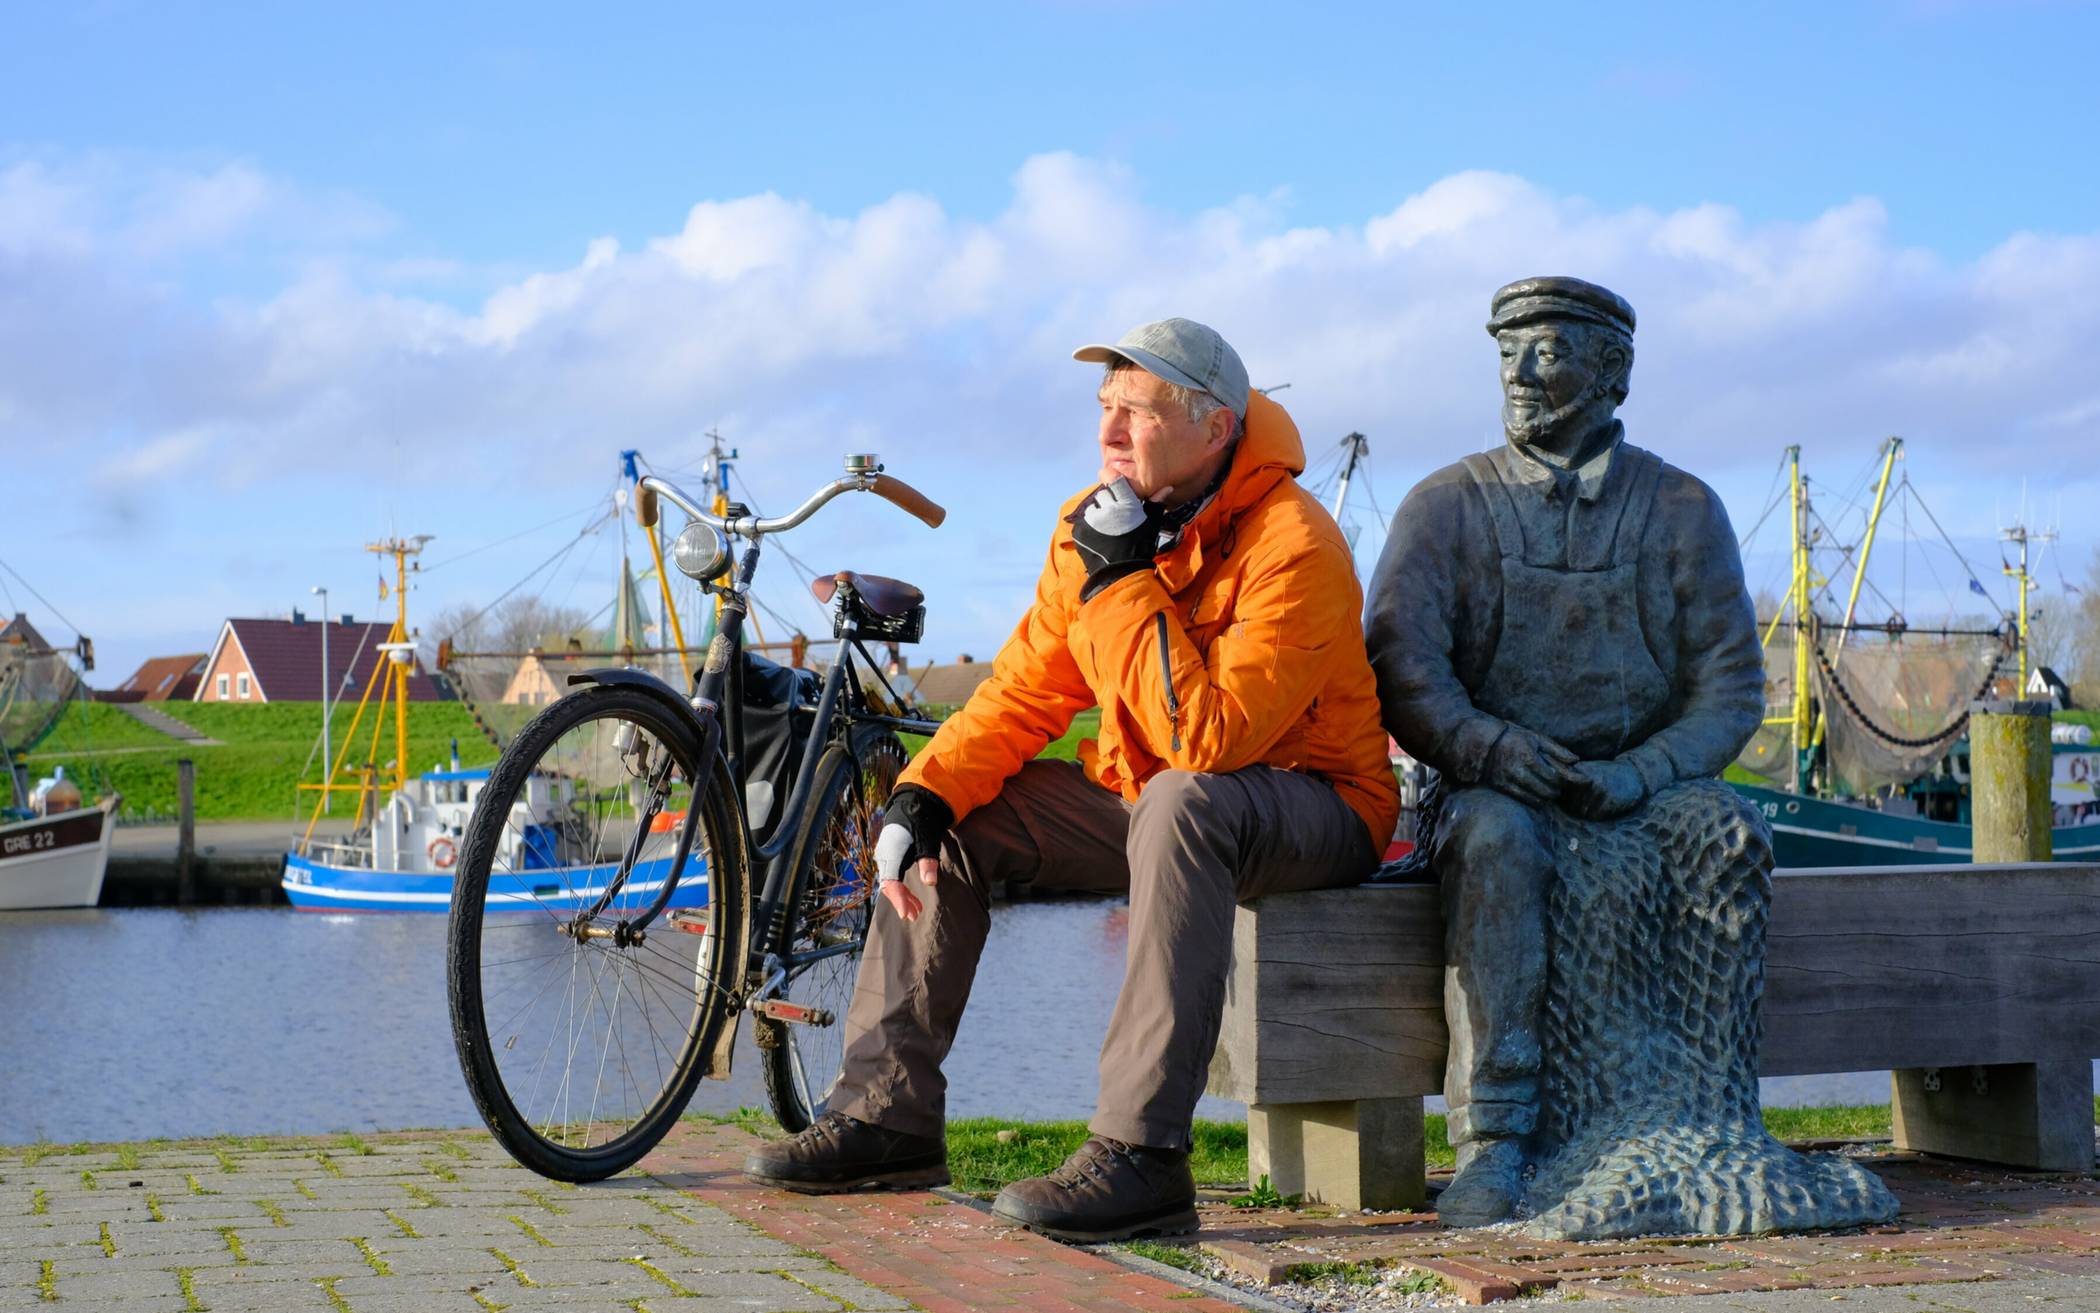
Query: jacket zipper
[(1166, 678)]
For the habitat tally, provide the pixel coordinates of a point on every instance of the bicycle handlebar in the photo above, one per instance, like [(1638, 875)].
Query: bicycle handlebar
[(862, 477)]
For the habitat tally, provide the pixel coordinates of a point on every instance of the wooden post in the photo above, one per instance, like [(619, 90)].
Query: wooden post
[(2028, 1114), (186, 832), (1348, 1154), (2009, 781)]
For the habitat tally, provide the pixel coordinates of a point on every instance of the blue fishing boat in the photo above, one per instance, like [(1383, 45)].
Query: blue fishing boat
[(560, 848), (548, 861)]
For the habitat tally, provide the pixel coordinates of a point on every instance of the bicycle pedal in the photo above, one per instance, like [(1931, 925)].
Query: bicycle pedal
[(688, 920), (779, 1009)]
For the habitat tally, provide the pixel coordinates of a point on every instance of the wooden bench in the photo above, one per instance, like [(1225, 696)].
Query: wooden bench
[(1979, 986)]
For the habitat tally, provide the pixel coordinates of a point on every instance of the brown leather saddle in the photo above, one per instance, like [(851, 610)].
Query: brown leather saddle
[(888, 598)]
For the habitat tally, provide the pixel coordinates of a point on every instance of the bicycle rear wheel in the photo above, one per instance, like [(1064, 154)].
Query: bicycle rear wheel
[(822, 927), (581, 1044)]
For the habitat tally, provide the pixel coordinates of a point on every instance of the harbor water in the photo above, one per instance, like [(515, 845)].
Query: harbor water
[(134, 1023)]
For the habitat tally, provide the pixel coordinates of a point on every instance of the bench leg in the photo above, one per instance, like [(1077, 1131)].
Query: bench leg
[(1365, 1154), (2037, 1115)]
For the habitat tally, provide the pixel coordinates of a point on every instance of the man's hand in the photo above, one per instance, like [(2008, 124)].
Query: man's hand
[(912, 826), (1604, 790), (1529, 767), (1116, 532)]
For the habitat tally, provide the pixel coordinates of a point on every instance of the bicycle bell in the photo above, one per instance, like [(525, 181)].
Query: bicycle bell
[(700, 552), (865, 463)]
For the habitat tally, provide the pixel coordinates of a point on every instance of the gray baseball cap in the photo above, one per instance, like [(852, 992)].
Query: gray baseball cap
[(1181, 351)]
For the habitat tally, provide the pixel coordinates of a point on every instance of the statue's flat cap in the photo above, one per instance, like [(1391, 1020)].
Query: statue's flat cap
[(1531, 299)]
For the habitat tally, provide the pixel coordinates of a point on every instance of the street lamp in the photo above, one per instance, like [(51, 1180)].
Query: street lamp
[(327, 708)]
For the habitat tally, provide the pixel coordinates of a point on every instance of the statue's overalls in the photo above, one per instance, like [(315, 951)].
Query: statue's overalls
[(1571, 663)]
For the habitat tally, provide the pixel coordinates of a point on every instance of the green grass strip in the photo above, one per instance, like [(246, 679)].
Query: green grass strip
[(109, 1244), (47, 1282), (196, 1186), (36, 1153), (441, 1171), (87, 1179), (186, 1278), (456, 1149), (670, 1282), (380, 1267), (491, 1305), (128, 1157), (532, 1232), (327, 1285), (38, 1203), (233, 1245), (305, 1189), (1177, 1256), (540, 1197), (227, 1162), (273, 1212), (511, 1264), (153, 1207), (356, 1146), (407, 1232), (327, 1163)]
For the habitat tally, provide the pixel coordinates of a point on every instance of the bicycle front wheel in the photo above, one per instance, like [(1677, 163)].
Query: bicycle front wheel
[(581, 1043), (822, 927)]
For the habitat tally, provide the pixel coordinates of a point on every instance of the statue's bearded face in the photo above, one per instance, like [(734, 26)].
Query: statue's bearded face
[(1561, 381)]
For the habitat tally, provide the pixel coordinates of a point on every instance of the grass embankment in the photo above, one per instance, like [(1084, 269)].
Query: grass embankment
[(264, 749), (1085, 725), (983, 1162)]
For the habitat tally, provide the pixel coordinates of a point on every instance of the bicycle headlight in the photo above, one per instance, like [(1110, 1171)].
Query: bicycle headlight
[(701, 552)]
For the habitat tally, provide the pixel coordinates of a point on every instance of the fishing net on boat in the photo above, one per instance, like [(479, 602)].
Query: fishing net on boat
[(36, 684), (1769, 752), (36, 687), (504, 690), (1894, 705)]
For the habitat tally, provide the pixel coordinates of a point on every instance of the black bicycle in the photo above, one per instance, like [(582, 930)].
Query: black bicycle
[(604, 931)]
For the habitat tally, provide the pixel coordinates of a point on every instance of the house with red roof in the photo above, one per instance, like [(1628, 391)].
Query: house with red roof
[(280, 661), (163, 679), (20, 631)]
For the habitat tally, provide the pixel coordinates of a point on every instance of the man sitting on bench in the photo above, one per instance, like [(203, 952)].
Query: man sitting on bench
[(1208, 605)]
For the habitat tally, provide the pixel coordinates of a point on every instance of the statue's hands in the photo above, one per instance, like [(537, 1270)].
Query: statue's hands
[(1604, 790), (912, 826), (1529, 767)]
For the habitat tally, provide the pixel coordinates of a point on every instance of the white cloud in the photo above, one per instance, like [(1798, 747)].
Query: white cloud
[(941, 341)]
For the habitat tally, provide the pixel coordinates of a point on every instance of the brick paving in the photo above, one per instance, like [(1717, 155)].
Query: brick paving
[(1961, 1223), (431, 1222)]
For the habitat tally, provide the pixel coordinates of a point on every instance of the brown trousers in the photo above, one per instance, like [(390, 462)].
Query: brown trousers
[(1190, 848)]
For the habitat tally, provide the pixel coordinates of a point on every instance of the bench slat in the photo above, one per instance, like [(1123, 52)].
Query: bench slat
[(1338, 994)]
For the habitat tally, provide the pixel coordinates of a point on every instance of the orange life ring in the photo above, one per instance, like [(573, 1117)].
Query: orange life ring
[(443, 852)]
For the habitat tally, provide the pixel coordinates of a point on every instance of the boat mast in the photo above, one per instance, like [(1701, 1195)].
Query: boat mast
[(1357, 446), (1804, 619), (1890, 450), (633, 475), (389, 679), (2024, 584)]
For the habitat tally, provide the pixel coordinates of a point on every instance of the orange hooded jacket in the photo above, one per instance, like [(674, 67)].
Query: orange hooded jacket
[(1243, 646)]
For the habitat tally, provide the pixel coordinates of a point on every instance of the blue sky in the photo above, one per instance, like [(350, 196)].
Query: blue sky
[(273, 279)]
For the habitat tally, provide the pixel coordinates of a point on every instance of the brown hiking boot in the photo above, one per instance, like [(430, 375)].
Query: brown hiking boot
[(1107, 1190), (839, 1153)]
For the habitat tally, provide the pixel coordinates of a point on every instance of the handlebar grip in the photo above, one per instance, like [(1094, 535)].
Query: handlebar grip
[(645, 507), (902, 494)]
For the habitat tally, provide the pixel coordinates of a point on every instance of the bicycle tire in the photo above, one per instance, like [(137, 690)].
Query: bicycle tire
[(830, 902), (690, 979)]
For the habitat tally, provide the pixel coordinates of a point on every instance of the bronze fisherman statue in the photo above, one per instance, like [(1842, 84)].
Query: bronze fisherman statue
[(1560, 628)]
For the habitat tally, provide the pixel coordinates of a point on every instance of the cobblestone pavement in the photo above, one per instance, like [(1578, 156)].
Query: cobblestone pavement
[(430, 1222), (436, 1222)]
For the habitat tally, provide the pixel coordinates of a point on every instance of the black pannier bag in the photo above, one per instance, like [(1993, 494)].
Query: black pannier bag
[(779, 707)]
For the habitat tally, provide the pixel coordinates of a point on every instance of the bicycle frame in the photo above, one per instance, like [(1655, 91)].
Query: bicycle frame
[(715, 707)]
